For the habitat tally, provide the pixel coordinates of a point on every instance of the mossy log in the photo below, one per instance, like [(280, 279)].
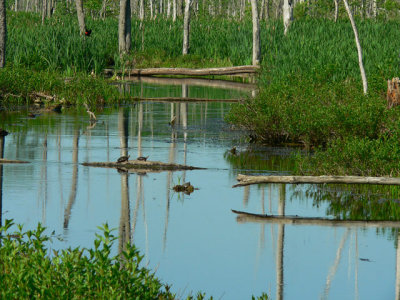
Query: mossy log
[(244, 217), (247, 180), (144, 166), (11, 161), (238, 70)]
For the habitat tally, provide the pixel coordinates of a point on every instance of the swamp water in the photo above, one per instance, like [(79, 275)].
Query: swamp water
[(195, 242)]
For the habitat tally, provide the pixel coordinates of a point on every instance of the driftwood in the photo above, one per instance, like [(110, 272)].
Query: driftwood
[(185, 71), (244, 217), (393, 92), (247, 180), (184, 99), (11, 161), (143, 166)]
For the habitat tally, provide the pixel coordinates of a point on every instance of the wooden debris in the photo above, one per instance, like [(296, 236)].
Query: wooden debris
[(238, 70), (186, 188), (244, 217), (11, 161), (247, 180), (147, 166), (393, 92)]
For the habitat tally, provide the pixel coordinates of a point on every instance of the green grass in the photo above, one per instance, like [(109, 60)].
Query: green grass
[(311, 93)]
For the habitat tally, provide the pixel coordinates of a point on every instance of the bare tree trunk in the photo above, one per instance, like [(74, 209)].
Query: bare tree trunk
[(256, 33), (262, 9), (186, 28), (151, 9), (174, 4), (360, 62), (141, 13), (168, 8), (3, 33), (81, 16), (336, 10), (16, 5), (124, 27), (287, 14), (44, 11)]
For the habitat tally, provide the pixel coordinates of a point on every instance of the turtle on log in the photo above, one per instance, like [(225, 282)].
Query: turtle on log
[(142, 158), (123, 159)]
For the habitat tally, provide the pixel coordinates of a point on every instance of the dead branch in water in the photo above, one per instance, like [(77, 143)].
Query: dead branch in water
[(244, 217), (247, 180), (11, 161)]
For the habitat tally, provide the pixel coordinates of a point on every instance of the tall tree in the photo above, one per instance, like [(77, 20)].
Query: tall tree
[(359, 51), (186, 28), (124, 27), (256, 33), (287, 14), (81, 16), (3, 33)]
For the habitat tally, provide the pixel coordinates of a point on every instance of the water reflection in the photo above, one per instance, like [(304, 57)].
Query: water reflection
[(194, 241)]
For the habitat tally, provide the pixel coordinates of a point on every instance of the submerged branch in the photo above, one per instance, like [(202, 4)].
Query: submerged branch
[(244, 217)]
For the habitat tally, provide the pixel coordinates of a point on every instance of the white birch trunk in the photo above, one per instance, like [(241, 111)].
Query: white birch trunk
[(336, 9), (141, 10), (256, 33), (174, 10), (287, 14), (359, 51), (186, 28), (168, 8)]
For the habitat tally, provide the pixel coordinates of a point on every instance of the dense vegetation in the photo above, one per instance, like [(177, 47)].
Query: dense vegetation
[(311, 93)]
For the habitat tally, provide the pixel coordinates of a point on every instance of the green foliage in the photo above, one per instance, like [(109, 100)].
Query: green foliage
[(311, 93), (17, 86), (29, 270)]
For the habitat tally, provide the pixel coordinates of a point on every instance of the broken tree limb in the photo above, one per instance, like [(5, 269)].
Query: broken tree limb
[(146, 166), (185, 71), (244, 217), (247, 180)]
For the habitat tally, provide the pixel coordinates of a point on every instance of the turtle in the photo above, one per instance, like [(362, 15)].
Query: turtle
[(142, 158), (123, 158)]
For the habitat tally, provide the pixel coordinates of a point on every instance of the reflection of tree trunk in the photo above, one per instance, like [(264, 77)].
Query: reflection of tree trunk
[(169, 179), (72, 195), (246, 194), (280, 245), (44, 179), (123, 123), (335, 265), (140, 126), (124, 224), (124, 227), (1, 177)]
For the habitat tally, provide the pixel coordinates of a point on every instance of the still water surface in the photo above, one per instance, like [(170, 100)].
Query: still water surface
[(193, 242)]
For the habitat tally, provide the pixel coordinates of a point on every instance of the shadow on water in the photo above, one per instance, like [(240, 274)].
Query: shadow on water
[(194, 241)]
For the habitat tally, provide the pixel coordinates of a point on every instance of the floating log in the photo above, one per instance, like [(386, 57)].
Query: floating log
[(144, 166), (393, 92), (183, 99), (238, 70), (11, 161), (247, 180), (244, 217)]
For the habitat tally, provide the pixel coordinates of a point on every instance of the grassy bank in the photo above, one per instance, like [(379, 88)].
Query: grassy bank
[(311, 94)]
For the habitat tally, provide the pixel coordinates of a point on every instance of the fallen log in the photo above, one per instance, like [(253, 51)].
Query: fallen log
[(11, 161), (244, 217), (247, 180), (145, 166), (185, 71), (184, 99)]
